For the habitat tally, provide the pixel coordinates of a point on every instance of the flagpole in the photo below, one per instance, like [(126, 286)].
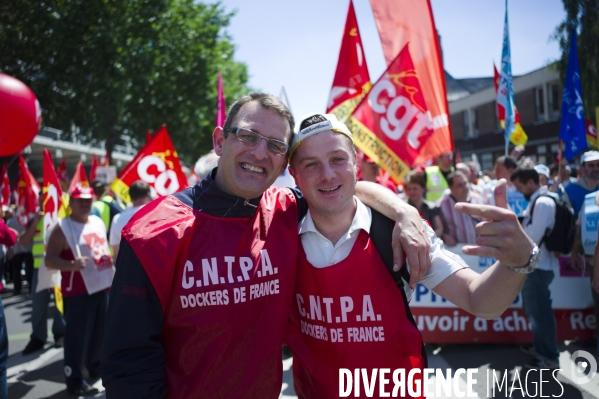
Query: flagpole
[(283, 97), (559, 164)]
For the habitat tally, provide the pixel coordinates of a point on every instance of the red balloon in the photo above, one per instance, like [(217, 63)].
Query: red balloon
[(20, 115)]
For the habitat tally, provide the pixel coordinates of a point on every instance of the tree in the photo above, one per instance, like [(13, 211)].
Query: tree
[(104, 68), (583, 16)]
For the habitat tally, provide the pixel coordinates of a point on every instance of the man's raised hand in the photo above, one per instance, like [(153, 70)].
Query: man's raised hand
[(500, 236)]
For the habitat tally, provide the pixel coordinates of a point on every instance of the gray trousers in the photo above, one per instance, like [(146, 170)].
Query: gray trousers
[(40, 302)]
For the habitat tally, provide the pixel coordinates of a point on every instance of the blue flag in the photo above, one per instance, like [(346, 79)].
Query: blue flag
[(573, 129), (505, 89)]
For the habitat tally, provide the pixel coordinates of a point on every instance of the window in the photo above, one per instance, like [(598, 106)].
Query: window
[(475, 130), (554, 148), (554, 105), (487, 161), (540, 103), (541, 149), (467, 123)]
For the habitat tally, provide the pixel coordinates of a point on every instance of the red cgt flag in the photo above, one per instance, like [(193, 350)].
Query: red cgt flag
[(393, 123), (27, 190), (352, 80), (4, 186), (400, 22), (79, 177), (51, 193), (63, 175), (156, 163)]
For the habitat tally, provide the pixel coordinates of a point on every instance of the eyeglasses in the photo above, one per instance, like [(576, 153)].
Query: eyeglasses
[(252, 138), (591, 165)]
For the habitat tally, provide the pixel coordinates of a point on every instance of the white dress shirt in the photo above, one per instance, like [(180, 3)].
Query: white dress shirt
[(118, 222), (321, 252)]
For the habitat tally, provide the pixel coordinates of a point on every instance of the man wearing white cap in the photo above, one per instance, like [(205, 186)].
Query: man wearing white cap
[(583, 194), (343, 286), (588, 182), (544, 174)]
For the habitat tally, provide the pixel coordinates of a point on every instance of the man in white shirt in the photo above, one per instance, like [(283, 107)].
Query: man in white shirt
[(322, 160), (536, 297), (140, 194)]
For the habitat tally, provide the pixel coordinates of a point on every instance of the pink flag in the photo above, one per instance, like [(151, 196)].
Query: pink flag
[(220, 103), (4, 186)]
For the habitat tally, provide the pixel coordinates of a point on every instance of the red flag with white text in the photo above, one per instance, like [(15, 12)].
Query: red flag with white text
[(400, 22), (52, 196), (156, 163), (393, 123), (352, 80)]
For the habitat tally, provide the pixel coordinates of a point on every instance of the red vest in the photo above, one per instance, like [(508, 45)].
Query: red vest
[(225, 286), (349, 315), (71, 283)]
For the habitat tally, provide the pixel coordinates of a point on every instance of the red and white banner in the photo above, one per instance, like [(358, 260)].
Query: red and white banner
[(442, 322), (156, 163), (52, 207), (52, 195), (392, 124), (400, 22), (352, 80)]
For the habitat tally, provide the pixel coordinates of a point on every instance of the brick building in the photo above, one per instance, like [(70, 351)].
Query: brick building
[(475, 125)]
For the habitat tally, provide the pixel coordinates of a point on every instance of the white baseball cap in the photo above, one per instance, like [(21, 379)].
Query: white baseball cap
[(331, 123), (542, 170), (589, 156)]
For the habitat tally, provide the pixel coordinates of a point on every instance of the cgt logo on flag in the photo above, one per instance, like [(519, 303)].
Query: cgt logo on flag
[(99, 251), (393, 122), (164, 180)]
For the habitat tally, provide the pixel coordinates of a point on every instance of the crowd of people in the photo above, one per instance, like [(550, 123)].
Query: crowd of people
[(193, 294)]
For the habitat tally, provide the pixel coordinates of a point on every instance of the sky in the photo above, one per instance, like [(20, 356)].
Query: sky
[(296, 44)]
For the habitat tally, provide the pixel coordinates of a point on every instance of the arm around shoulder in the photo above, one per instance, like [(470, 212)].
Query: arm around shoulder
[(409, 233)]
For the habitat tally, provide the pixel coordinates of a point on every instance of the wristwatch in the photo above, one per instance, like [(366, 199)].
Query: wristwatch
[(530, 267)]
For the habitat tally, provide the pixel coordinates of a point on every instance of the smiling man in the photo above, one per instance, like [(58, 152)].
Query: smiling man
[(205, 277), (348, 312)]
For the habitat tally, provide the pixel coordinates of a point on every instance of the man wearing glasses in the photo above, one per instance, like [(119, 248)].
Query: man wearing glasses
[(205, 277)]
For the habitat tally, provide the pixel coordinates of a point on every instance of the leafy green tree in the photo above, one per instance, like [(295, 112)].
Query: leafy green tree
[(104, 68), (582, 15)]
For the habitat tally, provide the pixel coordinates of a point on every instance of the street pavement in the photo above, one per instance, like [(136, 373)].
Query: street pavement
[(40, 375)]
